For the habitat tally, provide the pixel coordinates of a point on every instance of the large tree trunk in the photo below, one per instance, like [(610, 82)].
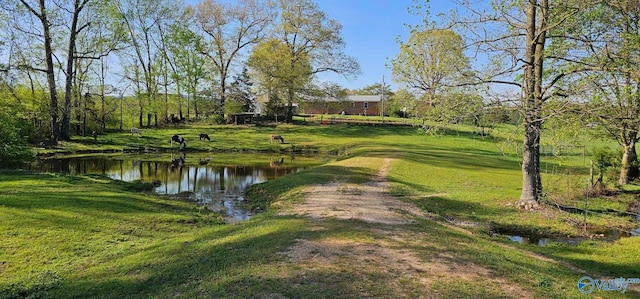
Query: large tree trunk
[(71, 53), (140, 117), (289, 117), (628, 169), (531, 182), (66, 111), (223, 96), (532, 103), (51, 80)]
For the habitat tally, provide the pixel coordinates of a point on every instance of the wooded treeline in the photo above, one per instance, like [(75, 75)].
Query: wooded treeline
[(73, 66)]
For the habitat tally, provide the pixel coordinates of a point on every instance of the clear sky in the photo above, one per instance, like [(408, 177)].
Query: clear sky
[(370, 29)]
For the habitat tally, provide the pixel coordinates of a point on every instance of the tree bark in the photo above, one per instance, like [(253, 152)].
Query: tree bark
[(532, 103), (531, 182), (71, 53), (51, 80), (141, 112), (290, 95), (628, 167)]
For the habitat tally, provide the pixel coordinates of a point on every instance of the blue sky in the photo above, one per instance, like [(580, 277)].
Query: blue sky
[(370, 28)]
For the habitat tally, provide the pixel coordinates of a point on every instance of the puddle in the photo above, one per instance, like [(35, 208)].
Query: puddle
[(610, 236), (545, 241)]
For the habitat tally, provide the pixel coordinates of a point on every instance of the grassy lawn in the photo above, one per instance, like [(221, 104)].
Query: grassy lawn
[(88, 236)]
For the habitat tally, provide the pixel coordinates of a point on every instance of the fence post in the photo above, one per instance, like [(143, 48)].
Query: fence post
[(591, 173), (586, 204)]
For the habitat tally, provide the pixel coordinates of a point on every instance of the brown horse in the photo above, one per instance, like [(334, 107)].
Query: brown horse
[(276, 137)]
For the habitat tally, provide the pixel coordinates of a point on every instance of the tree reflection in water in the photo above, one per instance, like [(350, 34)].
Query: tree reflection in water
[(219, 187)]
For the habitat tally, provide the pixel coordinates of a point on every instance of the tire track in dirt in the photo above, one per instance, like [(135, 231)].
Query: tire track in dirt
[(367, 202), (371, 203)]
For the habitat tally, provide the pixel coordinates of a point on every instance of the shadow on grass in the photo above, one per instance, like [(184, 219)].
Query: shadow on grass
[(243, 261), (600, 269), (59, 200)]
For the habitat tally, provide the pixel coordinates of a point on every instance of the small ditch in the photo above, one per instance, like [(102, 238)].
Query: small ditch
[(610, 236)]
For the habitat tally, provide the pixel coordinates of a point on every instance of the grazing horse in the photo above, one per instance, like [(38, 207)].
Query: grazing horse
[(179, 139), (204, 136), (136, 131), (276, 138)]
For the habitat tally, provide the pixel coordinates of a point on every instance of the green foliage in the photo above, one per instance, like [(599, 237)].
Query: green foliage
[(278, 65), (240, 97), (608, 163), (13, 142), (606, 157), (374, 89), (429, 60)]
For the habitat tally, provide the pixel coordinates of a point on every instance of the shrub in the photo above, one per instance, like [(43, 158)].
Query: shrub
[(608, 161), (13, 146)]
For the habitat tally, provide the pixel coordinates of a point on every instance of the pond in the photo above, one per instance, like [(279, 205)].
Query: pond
[(216, 181)]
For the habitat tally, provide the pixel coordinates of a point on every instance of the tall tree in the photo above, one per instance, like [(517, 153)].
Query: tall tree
[(142, 18), (186, 61), (64, 24), (614, 59), (41, 12), (228, 30), (310, 35), (430, 60), (75, 27), (514, 38), (241, 94), (278, 73)]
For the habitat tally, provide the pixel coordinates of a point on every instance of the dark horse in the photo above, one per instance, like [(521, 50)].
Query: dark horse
[(179, 139), (204, 136)]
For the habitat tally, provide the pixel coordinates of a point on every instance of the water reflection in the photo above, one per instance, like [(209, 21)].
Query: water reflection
[(610, 236), (219, 187), (544, 241)]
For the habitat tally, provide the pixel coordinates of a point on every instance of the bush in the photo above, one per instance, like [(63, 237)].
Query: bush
[(13, 146), (607, 159)]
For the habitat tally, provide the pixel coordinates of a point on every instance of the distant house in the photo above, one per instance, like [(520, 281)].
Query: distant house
[(351, 105)]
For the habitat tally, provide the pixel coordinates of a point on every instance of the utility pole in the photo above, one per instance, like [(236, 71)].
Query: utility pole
[(382, 100)]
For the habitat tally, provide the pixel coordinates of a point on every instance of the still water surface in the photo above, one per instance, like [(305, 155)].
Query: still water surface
[(217, 185)]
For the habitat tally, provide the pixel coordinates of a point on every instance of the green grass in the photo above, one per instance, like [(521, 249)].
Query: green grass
[(88, 236)]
